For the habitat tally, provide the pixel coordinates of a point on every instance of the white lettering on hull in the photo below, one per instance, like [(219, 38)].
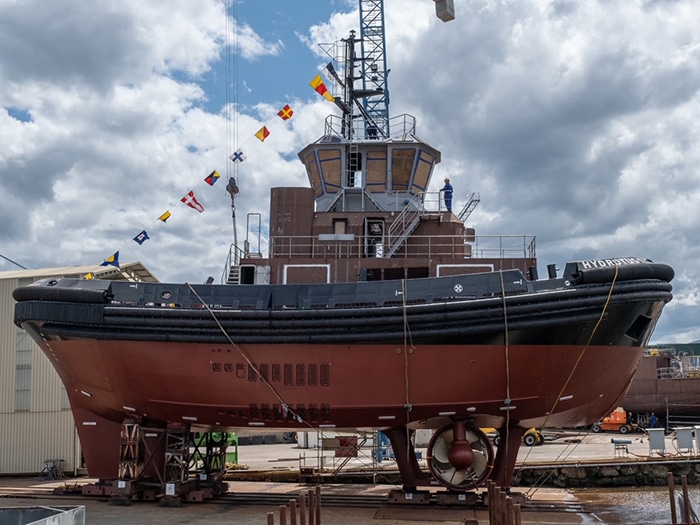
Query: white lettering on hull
[(606, 263)]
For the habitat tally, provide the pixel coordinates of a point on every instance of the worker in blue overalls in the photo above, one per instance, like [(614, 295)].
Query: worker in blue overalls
[(447, 194)]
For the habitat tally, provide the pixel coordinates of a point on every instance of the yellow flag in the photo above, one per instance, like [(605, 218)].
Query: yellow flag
[(262, 134), (320, 88), (165, 216)]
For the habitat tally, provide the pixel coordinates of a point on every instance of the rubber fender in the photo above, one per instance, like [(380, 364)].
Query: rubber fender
[(61, 294), (630, 272)]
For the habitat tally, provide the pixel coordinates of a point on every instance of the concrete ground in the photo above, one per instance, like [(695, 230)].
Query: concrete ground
[(568, 447), (100, 512)]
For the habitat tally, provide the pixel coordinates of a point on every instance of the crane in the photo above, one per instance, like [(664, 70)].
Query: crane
[(374, 70), (445, 10)]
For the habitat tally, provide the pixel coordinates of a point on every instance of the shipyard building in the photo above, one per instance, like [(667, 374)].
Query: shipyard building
[(36, 423)]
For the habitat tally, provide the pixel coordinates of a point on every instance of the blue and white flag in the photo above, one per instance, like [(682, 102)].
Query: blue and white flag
[(141, 237), (238, 156)]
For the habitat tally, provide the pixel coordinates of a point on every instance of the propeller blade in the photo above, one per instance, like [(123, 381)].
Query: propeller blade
[(453, 476), (441, 451), (448, 437), (480, 462), (441, 465), (458, 476), (475, 439)]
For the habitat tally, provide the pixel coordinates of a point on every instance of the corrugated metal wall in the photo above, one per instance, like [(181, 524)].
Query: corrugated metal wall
[(7, 347), (30, 438), (46, 430)]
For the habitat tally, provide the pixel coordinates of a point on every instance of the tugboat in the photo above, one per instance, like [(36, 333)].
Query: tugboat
[(375, 308)]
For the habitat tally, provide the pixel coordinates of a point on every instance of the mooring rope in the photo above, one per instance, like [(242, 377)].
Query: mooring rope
[(406, 337), (573, 371), (287, 407), (506, 342), (588, 343), (406, 334)]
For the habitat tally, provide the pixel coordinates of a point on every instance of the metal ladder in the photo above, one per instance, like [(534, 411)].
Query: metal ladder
[(403, 226), (473, 200)]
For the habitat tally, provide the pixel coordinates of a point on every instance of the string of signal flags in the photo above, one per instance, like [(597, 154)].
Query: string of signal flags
[(190, 199)]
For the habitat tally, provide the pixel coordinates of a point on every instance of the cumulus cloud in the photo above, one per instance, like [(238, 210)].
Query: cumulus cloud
[(112, 129), (576, 121)]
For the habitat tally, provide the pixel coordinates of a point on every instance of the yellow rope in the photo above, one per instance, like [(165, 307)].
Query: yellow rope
[(583, 350), (581, 354)]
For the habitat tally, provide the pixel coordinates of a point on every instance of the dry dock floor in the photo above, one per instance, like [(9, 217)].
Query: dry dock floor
[(565, 507)]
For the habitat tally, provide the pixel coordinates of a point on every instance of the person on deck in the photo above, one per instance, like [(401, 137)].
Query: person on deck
[(447, 194)]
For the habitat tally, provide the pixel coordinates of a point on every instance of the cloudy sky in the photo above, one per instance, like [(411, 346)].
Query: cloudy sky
[(577, 121)]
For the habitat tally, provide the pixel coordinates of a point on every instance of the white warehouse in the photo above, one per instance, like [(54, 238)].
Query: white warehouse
[(36, 424)]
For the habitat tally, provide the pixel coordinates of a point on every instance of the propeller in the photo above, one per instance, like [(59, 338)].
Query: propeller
[(460, 456)]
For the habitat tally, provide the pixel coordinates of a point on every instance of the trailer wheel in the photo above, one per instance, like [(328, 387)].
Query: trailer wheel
[(624, 429), (530, 439), (596, 428)]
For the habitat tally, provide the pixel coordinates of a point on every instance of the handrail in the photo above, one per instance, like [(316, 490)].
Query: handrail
[(403, 128), (481, 247), (232, 259), (404, 223)]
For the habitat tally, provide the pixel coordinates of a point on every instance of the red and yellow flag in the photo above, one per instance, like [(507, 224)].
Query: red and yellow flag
[(262, 134), (285, 113), (320, 88)]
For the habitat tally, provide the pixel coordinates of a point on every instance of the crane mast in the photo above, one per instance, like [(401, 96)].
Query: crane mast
[(373, 63), (374, 71)]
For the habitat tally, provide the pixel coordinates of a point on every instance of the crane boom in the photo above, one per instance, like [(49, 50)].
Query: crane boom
[(373, 68)]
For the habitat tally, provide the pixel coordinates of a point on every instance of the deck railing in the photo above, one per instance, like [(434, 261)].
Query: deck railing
[(233, 259), (421, 246)]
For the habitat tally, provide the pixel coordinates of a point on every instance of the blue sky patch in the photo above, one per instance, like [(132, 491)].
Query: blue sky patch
[(19, 114)]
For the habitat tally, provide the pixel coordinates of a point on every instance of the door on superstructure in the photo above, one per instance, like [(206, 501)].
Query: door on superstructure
[(374, 238)]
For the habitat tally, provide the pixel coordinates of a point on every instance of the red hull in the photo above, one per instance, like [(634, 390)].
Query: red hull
[(340, 386)]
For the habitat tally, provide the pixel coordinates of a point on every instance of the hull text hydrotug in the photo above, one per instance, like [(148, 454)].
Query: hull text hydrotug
[(376, 308)]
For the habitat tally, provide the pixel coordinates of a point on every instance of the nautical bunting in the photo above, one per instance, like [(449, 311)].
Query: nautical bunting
[(112, 260), (262, 134), (333, 73), (192, 202), (237, 156), (212, 178), (141, 237), (321, 89), (285, 113), (232, 188)]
